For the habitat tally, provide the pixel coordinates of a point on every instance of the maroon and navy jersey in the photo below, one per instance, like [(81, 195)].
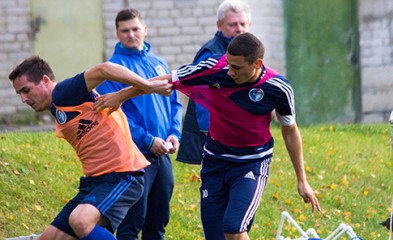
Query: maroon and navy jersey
[(240, 114)]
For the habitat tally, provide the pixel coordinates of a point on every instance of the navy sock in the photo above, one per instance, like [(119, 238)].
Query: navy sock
[(99, 233)]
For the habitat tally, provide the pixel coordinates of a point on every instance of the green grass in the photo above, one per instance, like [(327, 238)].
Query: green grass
[(349, 166)]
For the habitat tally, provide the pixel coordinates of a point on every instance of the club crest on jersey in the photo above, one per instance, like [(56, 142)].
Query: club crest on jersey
[(61, 116), (256, 94), (160, 70)]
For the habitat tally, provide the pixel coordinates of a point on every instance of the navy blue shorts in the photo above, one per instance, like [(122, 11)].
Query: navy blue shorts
[(112, 194), (230, 195)]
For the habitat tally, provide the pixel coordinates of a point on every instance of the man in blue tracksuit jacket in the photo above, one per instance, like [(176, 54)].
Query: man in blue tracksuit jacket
[(233, 18), (154, 121)]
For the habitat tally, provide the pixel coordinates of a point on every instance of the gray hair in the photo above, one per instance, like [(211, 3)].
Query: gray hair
[(234, 5)]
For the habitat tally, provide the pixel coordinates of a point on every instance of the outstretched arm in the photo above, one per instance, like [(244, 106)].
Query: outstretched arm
[(94, 76), (293, 143)]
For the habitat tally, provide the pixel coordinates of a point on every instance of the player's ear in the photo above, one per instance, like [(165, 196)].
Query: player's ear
[(259, 63), (46, 79), (219, 25)]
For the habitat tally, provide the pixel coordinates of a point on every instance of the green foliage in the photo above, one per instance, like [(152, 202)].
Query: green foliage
[(348, 166)]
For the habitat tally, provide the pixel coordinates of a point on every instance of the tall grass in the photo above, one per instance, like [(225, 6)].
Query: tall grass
[(349, 167)]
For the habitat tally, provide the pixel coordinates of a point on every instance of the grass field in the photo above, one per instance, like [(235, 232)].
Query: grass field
[(350, 168)]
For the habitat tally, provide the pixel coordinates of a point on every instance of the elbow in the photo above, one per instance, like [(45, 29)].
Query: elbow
[(103, 68)]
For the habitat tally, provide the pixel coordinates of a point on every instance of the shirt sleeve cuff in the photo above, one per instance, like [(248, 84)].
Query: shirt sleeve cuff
[(286, 120), (175, 78)]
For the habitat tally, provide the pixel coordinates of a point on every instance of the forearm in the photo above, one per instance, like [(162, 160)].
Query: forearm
[(162, 77), (293, 143), (129, 92), (115, 99)]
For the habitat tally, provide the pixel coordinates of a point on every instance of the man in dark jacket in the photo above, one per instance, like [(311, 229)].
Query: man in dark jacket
[(233, 18)]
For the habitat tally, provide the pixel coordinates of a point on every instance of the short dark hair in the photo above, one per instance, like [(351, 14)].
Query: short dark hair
[(128, 14), (34, 68), (247, 45)]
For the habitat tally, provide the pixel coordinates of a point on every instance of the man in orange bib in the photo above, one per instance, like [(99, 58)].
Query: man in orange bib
[(112, 164)]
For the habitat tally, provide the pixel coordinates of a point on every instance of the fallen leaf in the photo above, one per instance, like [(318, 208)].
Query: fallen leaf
[(275, 196), (195, 178), (344, 180)]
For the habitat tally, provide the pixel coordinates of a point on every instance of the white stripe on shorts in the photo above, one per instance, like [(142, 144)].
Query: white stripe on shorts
[(262, 179)]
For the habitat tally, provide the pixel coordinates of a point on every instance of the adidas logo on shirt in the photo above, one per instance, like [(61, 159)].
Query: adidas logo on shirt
[(250, 175), (84, 127)]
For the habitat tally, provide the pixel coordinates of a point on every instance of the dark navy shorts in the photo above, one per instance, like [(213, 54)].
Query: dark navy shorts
[(230, 195), (112, 194)]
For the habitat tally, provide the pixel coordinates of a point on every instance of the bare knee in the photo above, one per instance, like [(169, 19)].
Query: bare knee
[(79, 225), (83, 219), (237, 236)]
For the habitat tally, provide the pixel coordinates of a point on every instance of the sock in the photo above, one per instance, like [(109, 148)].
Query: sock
[(99, 233)]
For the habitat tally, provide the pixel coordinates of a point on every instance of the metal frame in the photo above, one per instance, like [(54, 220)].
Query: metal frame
[(311, 234)]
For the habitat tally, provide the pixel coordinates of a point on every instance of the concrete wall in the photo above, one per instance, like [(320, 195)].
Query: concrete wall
[(376, 44), (177, 28), (14, 46)]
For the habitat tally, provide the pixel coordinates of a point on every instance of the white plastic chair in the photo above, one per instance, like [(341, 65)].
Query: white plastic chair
[(311, 234)]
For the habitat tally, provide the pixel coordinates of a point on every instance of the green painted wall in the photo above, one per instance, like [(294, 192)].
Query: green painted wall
[(68, 34), (321, 43)]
